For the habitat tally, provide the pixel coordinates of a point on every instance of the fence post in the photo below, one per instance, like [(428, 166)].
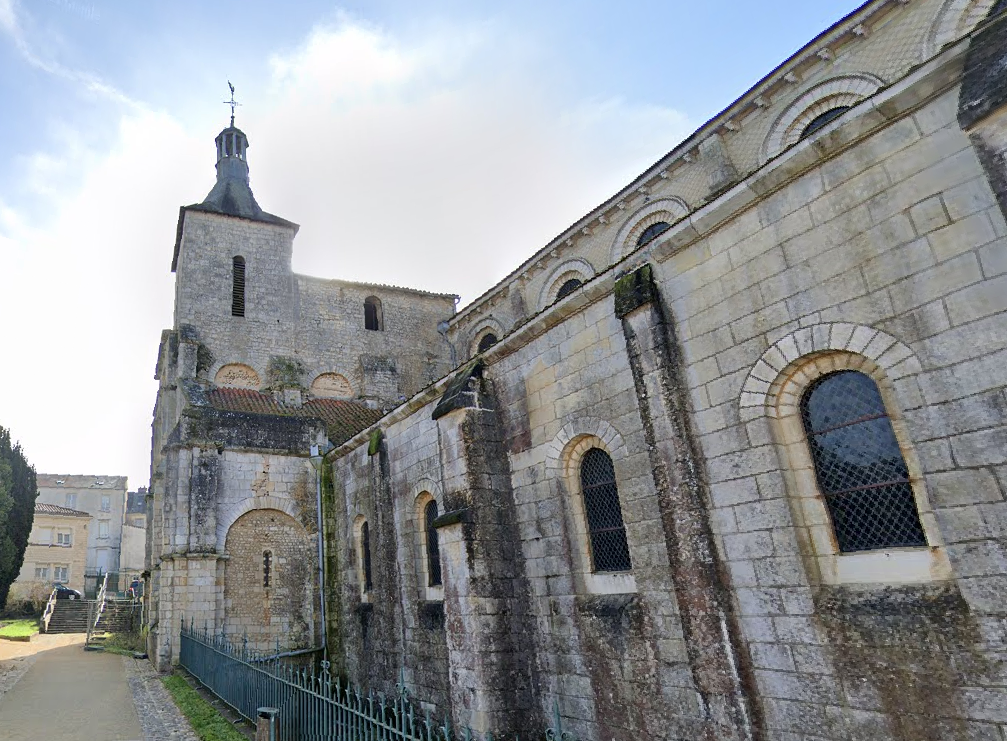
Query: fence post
[(267, 725)]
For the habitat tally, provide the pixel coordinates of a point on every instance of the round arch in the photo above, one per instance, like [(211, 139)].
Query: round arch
[(670, 210), (844, 91)]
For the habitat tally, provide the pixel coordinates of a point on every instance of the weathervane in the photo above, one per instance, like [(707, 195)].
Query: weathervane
[(232, 102)]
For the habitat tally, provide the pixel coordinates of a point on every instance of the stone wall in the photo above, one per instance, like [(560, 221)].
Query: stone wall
[(278, 605), (877, 246), (313, 325)]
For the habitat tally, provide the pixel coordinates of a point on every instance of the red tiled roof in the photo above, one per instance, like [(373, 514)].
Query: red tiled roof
[(343, 419), (54, 509)]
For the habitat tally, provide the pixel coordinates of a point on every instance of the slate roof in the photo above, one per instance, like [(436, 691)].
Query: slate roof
[(136, 502), (343, 419), (54, 509)]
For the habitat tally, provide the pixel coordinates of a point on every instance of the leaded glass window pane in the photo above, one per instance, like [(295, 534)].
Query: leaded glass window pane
[(365, 547), (568, 287), (824, 119), (606, 530), (652, 232), (859, 465), (433, 546)]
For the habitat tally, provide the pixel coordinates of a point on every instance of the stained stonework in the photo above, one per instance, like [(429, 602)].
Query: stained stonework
[(286, 606), (875, 244)]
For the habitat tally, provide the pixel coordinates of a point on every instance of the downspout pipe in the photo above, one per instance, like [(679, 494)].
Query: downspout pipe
[(317, 462)]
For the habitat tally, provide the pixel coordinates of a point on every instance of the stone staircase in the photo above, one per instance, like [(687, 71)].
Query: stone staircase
[(120, 616), (70, 616)]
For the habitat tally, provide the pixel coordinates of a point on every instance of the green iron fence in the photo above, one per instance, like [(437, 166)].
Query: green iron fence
[(314, 706)]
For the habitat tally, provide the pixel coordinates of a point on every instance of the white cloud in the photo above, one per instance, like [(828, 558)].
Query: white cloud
[(447, 154), (84, 80), (439, 163)]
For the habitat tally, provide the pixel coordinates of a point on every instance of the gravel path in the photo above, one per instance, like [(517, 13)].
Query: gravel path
[(160, 719)]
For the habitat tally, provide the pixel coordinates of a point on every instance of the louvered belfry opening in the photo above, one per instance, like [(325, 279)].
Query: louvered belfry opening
[(433, 546), (606, 530), (859, 465), (267, 568), (238, 287)]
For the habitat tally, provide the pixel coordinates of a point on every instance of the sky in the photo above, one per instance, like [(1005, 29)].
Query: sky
[(429, 143)]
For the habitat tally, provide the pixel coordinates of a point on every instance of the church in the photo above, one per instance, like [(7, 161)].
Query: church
[(726, 459)]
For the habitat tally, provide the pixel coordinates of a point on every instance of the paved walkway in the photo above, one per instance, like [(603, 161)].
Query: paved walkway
[(52, 688)]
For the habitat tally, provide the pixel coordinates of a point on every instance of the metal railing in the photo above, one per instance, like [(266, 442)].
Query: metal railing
[(92, 625), (47, 615), (314, 706)]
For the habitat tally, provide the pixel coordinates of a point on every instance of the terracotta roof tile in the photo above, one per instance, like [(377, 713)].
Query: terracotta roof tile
[(343, 419), (42, 508)]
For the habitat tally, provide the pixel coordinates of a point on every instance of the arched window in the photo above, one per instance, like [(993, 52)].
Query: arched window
[(365, 555), (372, 314), (567, 288), (858, 464), (238, 286), (652, 232), (433, 547), (267, 567), (606, 530), (487, 341), (823, 119)]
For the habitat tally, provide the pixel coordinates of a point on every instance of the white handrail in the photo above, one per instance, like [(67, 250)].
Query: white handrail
[(47, 615)]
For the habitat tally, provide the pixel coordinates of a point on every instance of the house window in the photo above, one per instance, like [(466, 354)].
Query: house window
[(365, 555), (71, 501), (372, 314), (61, 573), (63, 539), (858, 464), (42, 572), (487, 341), (103, 528), (238, 286), (267, 565), (106, 503), (606, 530), (822, 120), (568, 287), (652, 232), (433, 546)]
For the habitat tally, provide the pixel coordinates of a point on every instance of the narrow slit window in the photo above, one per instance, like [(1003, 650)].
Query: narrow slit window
[(487, 341), (433, 546), (238, 287), (372, 314), (568, 287), (606, 529), (365, 555), (267, 567), (652, 232), (858, 464), (823, 119)]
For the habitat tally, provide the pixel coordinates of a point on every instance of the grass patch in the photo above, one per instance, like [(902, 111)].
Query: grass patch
[(125, 643), (208, 724), (19, 628)]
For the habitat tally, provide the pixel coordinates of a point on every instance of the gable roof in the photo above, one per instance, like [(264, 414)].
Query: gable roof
[(41, 508)]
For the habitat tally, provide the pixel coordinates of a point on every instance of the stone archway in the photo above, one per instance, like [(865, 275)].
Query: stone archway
[(269, 581)]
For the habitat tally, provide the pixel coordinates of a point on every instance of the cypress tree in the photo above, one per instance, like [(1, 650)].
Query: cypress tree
[(18, 491)]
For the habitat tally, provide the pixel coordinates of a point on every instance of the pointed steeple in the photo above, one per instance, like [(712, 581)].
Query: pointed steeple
[(231, 194)]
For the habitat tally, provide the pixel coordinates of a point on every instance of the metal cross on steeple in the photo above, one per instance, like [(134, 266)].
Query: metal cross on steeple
[(232, 102)]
